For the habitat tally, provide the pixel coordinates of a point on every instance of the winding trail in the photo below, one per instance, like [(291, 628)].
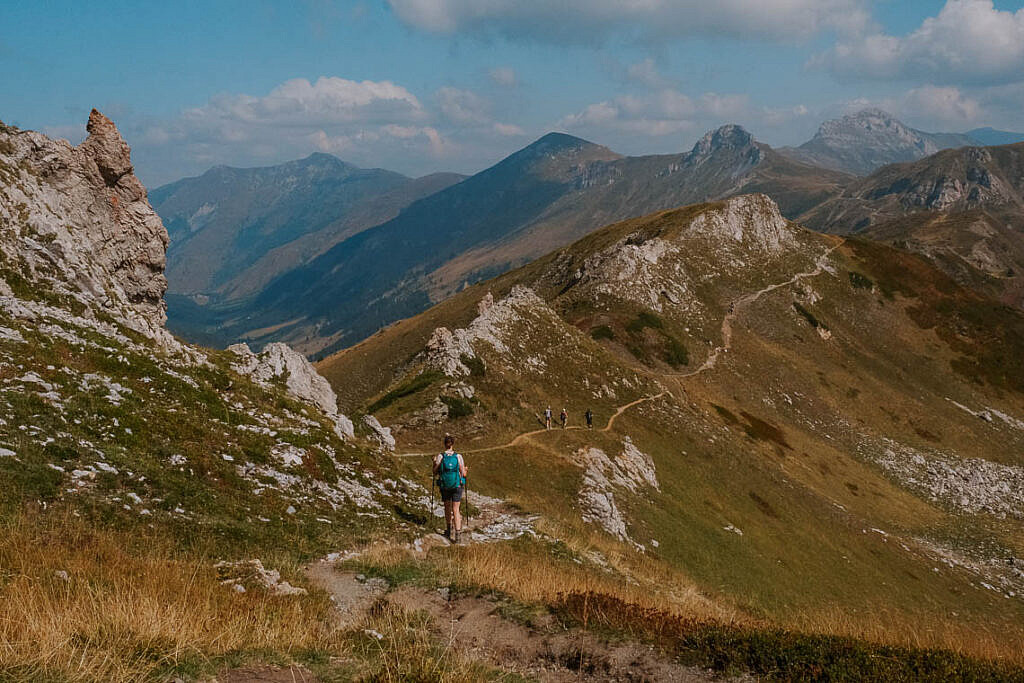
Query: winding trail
[(709, 363)]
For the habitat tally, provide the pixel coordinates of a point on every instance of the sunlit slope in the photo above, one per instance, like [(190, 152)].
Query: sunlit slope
[(820, 431)]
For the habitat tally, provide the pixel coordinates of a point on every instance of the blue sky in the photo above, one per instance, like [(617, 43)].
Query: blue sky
[(426, 85)]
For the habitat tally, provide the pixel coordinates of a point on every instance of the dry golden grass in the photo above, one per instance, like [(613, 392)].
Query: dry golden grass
[(411, 648), (130, 608), (535, 576), (997, 642)]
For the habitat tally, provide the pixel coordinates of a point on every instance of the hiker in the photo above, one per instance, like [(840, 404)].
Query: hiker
[(450, 470), (547, 418), (590, 418), (563, 417)]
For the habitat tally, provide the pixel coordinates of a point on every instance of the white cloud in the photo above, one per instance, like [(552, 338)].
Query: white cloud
[(505, 76), (508, 129), (930, 107), (646, 73), (646, 123), (969, 41), (462, 106), (659, 113), (583, 21)]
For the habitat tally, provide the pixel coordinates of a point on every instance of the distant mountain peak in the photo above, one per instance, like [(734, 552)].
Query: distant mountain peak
[(868, 139), (871, 121), (730, 136)]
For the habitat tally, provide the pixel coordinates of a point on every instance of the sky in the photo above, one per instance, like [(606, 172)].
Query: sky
[(418, 86)]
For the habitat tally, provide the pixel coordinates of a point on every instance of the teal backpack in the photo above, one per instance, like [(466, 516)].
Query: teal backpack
[(448, 476)]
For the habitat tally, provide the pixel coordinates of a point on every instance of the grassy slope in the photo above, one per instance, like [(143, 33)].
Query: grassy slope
[(773, 441)]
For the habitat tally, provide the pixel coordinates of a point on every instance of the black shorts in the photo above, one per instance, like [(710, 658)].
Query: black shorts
[(451, 495)]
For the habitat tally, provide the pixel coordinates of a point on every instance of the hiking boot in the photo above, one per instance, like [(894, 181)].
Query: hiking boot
[(448, 533), (458, 537)]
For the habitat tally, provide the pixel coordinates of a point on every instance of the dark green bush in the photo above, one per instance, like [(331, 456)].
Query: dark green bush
[(475, 365), (808, 316), (457, 407), (644, 319), (676, 353), (602, 332), (860, 281)]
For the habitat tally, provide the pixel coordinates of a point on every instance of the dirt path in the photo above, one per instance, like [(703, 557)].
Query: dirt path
[(709, 363)]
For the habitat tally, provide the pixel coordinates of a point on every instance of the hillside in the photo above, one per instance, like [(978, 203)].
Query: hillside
[(542, 197), (962, 208), (233, 230), (863, 142), (800, 425)]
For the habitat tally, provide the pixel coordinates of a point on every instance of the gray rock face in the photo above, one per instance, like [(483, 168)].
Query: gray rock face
[(75, 223), (280, 361)]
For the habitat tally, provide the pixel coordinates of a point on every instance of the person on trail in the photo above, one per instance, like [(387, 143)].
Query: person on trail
[(450, 470), (563, 417), (547, 418), (590, 418)]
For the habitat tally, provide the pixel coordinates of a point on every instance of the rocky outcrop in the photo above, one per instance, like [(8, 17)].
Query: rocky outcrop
[(630, 472), (280, 362), (75, 223), (751, 219), (379, 433), (447, 351)]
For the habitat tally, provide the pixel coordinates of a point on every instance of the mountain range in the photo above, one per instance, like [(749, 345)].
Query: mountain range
[(321, 254), (546, 195)]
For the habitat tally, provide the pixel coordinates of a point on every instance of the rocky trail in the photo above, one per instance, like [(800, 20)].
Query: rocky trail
[(473, 626), (709, 363)]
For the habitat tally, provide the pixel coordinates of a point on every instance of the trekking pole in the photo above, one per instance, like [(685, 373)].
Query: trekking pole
[(432, 500)]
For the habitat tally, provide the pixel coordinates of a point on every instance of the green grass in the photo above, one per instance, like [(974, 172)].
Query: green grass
[(412, 386)]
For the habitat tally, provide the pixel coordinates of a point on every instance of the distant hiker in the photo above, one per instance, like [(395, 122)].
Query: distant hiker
[(547, 418), (450, 470), (590, 418), (563, 417)]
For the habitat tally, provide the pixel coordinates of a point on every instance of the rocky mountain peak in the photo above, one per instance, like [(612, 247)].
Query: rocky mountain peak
[(727, 137), (872, 124)]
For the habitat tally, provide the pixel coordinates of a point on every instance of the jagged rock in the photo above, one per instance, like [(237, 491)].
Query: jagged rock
[(445, 349), (380, 433), (280, 361), (76, 223), (752, 219)]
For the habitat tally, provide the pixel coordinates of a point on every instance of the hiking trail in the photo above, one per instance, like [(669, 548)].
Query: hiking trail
[(709, 363)]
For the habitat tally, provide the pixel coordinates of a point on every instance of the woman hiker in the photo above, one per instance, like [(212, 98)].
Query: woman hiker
[(450, 470)]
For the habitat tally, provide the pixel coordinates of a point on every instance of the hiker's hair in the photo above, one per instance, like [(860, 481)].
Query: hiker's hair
[(449, 440)]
